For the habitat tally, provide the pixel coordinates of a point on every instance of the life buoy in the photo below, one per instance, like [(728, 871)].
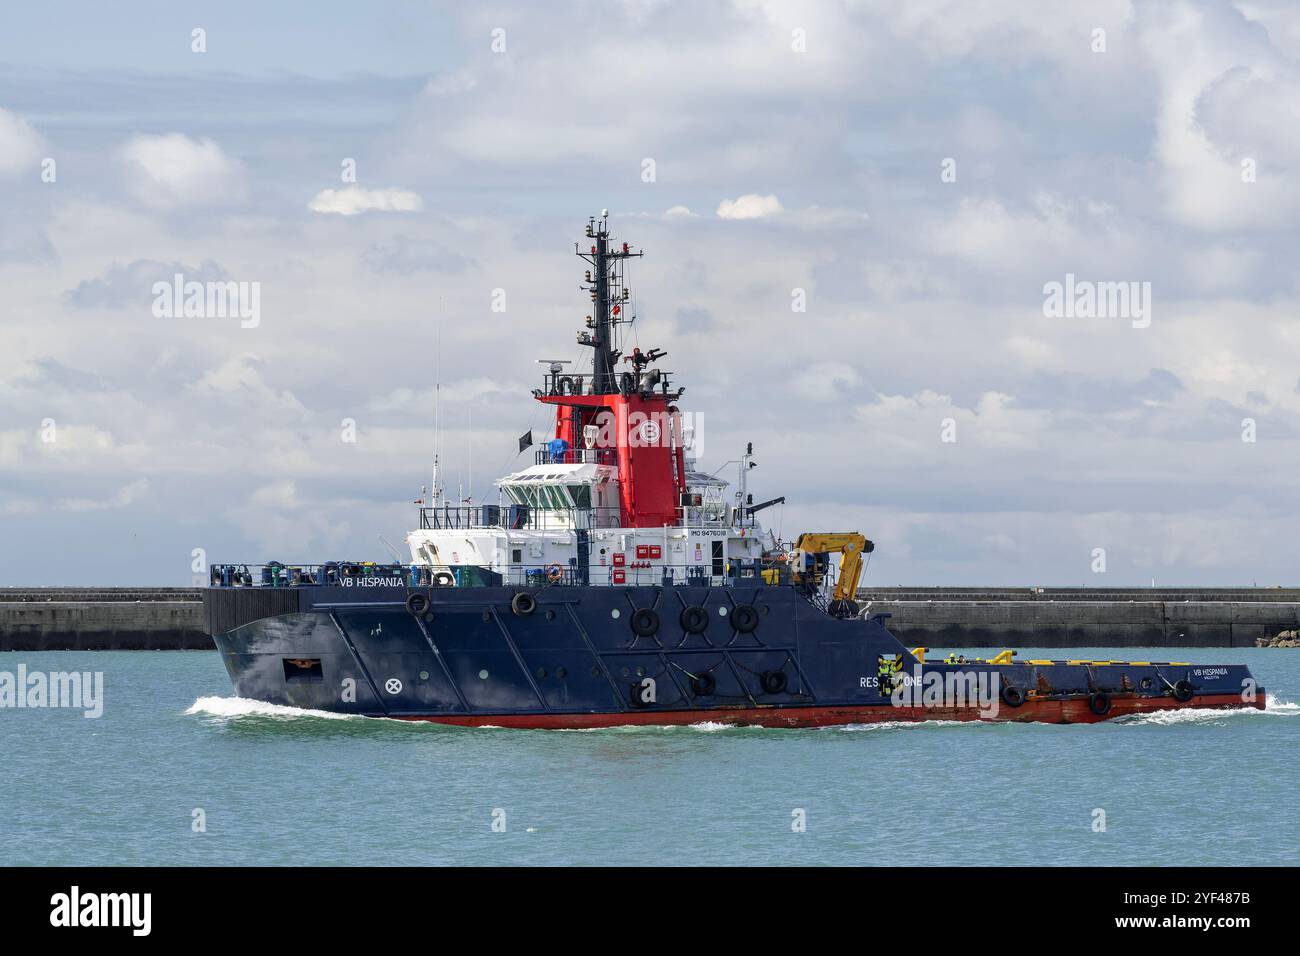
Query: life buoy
[(523, 604), (702, 685), (645, 622), (744, 618), (774, 682), (694, 619), (444, 579), (1012, 695), (417, 604), (1183, 691), (554, 572), (1099, 703)]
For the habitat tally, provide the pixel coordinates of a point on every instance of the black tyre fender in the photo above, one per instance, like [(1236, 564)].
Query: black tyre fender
[(1012, 695), (645, 622), (523, 604), (694, 619), (774, 682), (744, 618), (417, 604), (1099, 703), (702, 685), (1183, 691)]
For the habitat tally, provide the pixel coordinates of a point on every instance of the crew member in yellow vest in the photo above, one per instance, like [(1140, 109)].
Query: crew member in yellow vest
[(885, 677)]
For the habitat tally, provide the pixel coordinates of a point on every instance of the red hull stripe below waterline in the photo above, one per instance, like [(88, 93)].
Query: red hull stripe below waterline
[(1073, 711)]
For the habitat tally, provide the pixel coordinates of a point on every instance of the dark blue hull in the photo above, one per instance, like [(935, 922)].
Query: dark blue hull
[(576, 659)]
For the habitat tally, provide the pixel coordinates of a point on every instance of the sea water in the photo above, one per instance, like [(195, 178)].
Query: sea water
[(177, 770)]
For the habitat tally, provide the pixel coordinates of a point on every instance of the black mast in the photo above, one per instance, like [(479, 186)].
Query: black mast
[(609, 294)]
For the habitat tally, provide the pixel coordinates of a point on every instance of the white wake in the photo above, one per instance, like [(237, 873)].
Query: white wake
[(234, 707), (1200, 715)]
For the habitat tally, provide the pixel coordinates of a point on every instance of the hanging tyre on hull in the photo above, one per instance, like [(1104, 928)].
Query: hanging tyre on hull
[(645, 622), (694, 619), (1099, 703), (744, 618), (773, 682), (702, 685)]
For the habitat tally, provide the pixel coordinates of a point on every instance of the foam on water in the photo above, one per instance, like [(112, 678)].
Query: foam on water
[(702, 727), (900, 724), (229, 708), (711, 726), (232, 708), (1164, 718)]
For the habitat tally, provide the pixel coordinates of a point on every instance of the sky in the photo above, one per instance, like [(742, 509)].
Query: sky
[(854, 216)]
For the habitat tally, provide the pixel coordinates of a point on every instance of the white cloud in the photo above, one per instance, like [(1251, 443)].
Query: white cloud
[(124, 497), (1226, 95), (679, 212), (825, 381), (749, 206), (935, 302), (239, 381), (20, 145), (354, 200), (173, 171)]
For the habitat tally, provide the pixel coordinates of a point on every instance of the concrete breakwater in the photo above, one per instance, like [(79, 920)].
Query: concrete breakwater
[(36, 619), (1085, 617), (93, 619)]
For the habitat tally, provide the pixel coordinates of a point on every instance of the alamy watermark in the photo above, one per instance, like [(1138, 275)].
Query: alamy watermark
[(1085, 299), (208, 300), (128, 910), (74, 690), (934, 689)]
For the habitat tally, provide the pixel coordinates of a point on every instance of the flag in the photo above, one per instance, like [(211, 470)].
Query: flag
[(525, 439)]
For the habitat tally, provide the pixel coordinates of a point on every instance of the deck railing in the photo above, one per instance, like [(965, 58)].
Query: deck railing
[(365, 574), (517, 517), (577, 456)]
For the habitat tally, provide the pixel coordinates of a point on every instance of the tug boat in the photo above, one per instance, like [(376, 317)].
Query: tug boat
[(616, 583)]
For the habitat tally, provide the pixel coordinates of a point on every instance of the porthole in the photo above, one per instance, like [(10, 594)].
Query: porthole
[(541, 672), (616, 614), (766, 609), (561, 673), (483, 675), (550, 615), (487, 615), (626, 672), (640, 672), (424, 675), (722, 612), (595, 671)]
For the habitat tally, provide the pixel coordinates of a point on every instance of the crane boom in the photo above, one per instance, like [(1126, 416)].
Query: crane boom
[(808, 560)]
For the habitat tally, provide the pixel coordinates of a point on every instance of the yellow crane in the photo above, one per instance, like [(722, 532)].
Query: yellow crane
[(809, 564)]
